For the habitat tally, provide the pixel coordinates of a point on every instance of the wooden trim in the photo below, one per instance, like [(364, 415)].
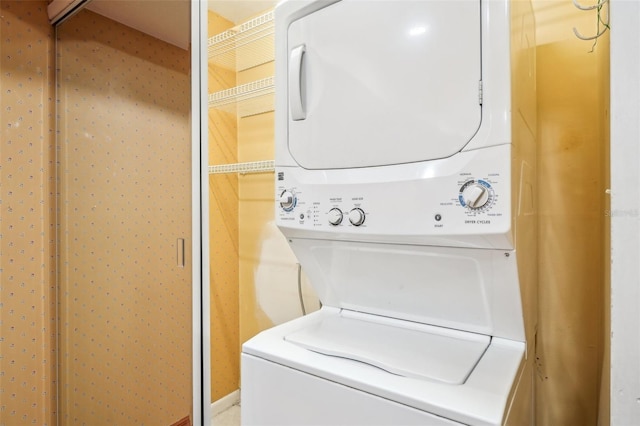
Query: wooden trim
[(183, 422)]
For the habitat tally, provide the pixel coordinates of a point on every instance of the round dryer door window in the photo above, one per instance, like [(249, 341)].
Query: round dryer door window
[(374, 83)]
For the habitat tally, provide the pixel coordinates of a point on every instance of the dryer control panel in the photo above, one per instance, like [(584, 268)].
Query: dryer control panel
[(464, 200)]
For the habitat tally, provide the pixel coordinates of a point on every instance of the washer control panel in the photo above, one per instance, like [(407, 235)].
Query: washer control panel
[(334, 212)]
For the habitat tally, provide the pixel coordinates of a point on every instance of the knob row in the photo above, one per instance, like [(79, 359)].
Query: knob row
[(356, 216)]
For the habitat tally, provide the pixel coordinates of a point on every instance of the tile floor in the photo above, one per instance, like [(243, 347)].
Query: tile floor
[(229, 417)]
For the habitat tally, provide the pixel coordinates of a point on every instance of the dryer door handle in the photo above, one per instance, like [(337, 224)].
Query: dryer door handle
[(296, 104)]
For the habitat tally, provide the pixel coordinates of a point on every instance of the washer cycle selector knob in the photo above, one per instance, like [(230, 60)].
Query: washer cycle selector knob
[(356, 217), (335, 216), (287, 200)]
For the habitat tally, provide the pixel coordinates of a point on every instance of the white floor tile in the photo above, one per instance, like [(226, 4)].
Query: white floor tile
[(229, 417)]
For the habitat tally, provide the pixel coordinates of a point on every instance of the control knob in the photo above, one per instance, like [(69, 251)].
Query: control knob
[(335, 216), (475, 195), (356, 217), (287, 200)]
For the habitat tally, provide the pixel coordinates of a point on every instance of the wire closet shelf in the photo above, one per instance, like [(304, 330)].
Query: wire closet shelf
[(244, 46), (245, 100), (243, 168)]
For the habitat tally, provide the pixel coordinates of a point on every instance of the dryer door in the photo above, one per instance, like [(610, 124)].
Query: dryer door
[(374, 83)]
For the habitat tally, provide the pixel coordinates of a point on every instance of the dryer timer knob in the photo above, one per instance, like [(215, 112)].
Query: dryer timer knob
[(287, 200), (475, 195)]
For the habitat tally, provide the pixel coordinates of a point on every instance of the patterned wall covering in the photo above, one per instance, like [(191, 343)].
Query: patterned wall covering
[(27, 234), (125, 200)]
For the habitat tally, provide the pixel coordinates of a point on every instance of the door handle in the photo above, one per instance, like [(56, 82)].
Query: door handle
[(180, 262), (296, 105)]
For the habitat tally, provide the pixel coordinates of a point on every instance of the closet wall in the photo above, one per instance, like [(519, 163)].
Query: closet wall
[(573, 116), (223, 237), (254, 274), (261, 257), (27, 215)]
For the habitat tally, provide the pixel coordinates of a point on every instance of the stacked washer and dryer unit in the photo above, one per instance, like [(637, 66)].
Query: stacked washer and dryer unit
[(405, 185)]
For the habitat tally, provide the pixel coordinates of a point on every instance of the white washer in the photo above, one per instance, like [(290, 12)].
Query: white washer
[(286, 381), (405, 170)]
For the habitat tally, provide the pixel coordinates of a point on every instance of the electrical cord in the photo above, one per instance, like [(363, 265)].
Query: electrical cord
[(304, 311)]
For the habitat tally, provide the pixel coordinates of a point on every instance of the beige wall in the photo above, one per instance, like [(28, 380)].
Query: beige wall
[(27, 215), (268, 268), (253, 271), (240, 208), (572, 144), (223, 237), (256, 143)]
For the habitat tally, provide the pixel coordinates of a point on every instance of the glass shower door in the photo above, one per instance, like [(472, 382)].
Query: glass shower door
[(124, 226)]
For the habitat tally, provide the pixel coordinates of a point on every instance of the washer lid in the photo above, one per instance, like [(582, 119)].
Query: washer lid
[(374, 83), (399, 347)]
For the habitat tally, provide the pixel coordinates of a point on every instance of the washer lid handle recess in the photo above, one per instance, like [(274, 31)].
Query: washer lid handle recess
[(421, 352)]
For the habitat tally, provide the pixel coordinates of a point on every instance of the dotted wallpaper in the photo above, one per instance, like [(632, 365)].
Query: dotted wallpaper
[(27, 197), (125, 200), (223, 220)]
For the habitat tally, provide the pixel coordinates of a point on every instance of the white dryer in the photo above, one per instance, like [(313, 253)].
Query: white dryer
[(405, 173)]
